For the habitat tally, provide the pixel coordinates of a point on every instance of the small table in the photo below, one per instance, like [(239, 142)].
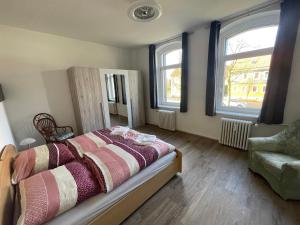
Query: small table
[(27, 141)]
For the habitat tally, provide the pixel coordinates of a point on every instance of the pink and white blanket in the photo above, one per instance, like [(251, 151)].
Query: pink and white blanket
[(113, 164), (87, 142), (92, 141), (35, 160), (52, 192)]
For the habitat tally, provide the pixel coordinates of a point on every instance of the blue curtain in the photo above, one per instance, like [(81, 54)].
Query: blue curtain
[(152, 77), (210, 109), (116, 88), (107, 91), (184, 73), (124, 98), (272, 111), (1, 94)]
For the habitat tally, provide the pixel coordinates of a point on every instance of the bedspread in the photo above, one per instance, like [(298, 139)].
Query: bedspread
[(52, 192), (116, 163), (37, 159), (87, 142), (92, 141)]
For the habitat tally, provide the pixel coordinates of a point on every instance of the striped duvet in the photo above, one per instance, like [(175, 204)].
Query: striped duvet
[(113, 164), (87, 142), (35, 160), (93, 141), (52, 192)]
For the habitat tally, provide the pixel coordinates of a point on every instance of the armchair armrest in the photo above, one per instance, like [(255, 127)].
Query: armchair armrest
[(63, 133), (292, 166), (264, 144), (291, 173)]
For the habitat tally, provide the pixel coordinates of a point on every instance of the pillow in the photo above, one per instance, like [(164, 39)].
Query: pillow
[(44, 157), (45, 195)]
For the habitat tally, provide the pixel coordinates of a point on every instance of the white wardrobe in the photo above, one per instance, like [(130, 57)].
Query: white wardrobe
[(134, 95), (90, 100)]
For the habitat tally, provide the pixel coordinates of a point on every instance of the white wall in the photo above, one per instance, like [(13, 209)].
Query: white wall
[(6, 136), (195, 121), (33, 74), (57, 85)]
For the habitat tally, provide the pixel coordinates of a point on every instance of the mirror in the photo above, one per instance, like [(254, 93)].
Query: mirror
[(117, 99)]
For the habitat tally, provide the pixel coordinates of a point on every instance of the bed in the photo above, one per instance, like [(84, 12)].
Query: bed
[(110, 208)]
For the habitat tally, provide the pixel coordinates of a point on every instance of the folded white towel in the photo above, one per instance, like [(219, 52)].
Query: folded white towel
[(145, 139), (119, 131)]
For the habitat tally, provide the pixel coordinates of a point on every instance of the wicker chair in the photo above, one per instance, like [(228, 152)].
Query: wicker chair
[(46, 126)]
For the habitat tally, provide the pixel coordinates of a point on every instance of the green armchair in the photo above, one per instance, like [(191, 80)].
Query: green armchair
[(277, 159)]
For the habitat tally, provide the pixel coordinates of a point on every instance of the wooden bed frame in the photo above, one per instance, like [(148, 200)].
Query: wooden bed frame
[(112, 216)]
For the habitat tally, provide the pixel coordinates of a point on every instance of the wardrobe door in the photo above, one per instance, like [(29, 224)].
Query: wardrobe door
[(86, 96), (136, 98), (96, 112)]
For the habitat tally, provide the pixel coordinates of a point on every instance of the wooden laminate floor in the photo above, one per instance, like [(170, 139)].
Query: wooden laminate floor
[(118, 120), (215, 188)]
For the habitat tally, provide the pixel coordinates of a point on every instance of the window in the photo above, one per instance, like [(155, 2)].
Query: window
[(254, 89), (169, 74), (246, 47), (110, 87)]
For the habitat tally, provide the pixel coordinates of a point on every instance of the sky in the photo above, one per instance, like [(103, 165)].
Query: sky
[(251, 40)]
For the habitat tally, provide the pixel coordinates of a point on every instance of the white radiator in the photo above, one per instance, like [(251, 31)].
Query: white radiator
[(235, 133), (112, 107), (167, 119)]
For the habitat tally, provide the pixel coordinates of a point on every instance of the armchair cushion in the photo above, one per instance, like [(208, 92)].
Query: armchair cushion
[(64, 136), (272, 161)]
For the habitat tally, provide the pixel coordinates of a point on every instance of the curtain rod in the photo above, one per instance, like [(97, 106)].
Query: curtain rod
[(172, 38), (240, 14), (249, 11), (168, 40)]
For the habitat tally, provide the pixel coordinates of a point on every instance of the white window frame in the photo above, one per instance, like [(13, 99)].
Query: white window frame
[(161, 68), (260, 20)]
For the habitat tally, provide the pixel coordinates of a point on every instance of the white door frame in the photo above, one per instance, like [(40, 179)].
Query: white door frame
[(105, 107)]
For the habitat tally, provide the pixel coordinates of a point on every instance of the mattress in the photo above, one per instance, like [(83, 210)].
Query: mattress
[(89, 209)]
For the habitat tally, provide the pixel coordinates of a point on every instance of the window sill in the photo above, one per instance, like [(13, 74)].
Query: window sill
[(236, 115), (168, 107)]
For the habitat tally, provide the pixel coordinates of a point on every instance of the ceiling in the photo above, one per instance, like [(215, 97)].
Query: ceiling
[(106, 21)]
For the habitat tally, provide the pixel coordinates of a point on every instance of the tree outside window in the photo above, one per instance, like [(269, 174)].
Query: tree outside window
[(244, 62)]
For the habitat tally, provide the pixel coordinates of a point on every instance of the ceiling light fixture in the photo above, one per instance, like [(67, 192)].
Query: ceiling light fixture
[(144, 10)]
